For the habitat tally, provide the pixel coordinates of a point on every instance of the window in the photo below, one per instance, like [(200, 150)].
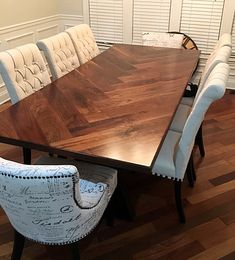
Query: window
[(150, 16), (124, 21), (232, 59), (106, 20), (201, 19)]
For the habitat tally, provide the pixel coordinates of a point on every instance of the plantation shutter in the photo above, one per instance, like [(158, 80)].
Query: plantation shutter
[(150, 16), (106, 20), (201, 19), (232, 59)]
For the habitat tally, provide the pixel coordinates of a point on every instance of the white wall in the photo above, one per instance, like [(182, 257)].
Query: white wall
[(70, 7), (15, 12)]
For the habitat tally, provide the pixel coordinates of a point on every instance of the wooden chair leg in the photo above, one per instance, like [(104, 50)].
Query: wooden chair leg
[(178, 201), (199, 141), (74, 247), (18, 246), (190, 171), (190, 175), (192, 168)]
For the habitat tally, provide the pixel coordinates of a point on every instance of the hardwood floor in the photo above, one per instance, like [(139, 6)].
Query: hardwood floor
[(209, 232)]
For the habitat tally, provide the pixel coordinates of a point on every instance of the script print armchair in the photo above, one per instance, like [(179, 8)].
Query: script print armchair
[(176, 150), (52, 204), (23, 71)]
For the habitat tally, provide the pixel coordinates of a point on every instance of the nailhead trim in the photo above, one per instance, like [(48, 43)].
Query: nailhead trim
[(35, 177), (164, 176)]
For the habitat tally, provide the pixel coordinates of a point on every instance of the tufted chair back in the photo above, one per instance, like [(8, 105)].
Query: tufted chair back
[(220, 55), (214, 89), (60, 54), (23, 71), (51, 204), (84, 42), (224, 40)]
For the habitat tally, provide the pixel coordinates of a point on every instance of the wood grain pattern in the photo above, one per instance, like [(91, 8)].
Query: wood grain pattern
[(114, 110), (156, 233)]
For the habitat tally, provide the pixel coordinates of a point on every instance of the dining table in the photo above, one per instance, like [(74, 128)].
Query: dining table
[(114, 110)]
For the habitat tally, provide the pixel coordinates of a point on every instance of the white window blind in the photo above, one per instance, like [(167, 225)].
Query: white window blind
[(150, 16), (232, 59), (106, 20), (201, 19)]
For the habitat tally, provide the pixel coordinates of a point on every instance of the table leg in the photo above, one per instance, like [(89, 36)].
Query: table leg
[(124, 207), (27, 155)]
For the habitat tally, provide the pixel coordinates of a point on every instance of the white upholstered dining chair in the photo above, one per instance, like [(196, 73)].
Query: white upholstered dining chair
[(176, 150), (224, 40), (60, 54), (23, 71), (84, 42), (55, 202), (221, 55)]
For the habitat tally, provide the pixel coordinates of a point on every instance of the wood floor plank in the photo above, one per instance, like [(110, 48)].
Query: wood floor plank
[(217, 251), (215, 191)]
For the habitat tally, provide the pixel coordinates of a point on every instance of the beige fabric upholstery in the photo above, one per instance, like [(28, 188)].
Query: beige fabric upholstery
[(187, 101), (176, 149), (84, 42), (60, 54), (224, 40), (180, 118), (169, 40), (220, 55), (54, 204), (23, 71)]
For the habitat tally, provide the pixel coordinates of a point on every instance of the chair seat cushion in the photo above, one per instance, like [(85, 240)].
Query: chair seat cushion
[(187, 101), (164, 164), (91, 193), (93, 173), (180, 118)]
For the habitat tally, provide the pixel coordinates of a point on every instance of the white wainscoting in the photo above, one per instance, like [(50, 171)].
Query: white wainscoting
[(67, 21), (32, 31)]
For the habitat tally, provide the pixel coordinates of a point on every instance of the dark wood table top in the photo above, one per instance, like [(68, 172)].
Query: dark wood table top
[(114, 110)]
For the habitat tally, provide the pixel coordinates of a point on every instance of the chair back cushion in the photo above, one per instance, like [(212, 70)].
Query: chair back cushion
[(224, 40), (84, 42), (169, 40), (220, 55), (23, 71), (60, 54), (39, 200), (214, 89)]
